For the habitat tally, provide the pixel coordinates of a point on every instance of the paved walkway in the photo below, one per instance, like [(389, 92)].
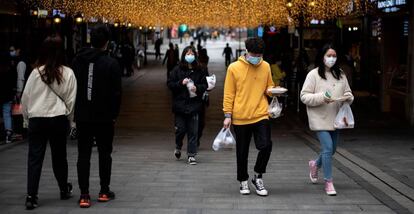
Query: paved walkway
[(147, 179)]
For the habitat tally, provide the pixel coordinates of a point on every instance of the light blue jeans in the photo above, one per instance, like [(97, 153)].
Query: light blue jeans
[(328, 140), (7, 116)]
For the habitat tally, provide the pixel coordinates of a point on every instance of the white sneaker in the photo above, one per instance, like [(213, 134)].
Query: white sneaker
[(259, 186), (244, 188)]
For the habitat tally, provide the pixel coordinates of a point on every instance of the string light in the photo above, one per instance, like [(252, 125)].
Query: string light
[(214, 13)]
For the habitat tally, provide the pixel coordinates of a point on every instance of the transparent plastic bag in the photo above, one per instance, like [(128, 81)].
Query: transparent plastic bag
[(211, 81), (275, 108), (190, 84), (344, 119), (224, 139)]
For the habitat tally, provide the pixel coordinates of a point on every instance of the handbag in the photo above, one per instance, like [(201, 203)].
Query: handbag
[(17, 109)]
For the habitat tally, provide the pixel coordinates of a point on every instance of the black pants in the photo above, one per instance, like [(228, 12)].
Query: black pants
[(42, 130), (262, 139), (103, 134), (186, 124), (228, 61)]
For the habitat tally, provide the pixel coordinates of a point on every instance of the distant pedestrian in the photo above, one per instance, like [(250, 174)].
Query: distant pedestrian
[(8, 79), (188, 84), (322, 85), (97, 107), (177, 52), (157, 48), (245, 106), (48, 103), (228, 54), (171, 59), (203, 59), (20, 66)]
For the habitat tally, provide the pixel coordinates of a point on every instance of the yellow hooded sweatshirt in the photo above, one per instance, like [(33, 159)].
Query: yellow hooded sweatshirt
[(245, 90)]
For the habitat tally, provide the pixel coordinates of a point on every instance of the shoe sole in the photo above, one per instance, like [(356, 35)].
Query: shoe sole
[(84, 205), (331, 193), (192, 163), (245, 193), (104, 199), (261, 194)]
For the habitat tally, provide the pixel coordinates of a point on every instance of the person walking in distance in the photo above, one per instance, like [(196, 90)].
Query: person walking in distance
[(170, 58), (8, 79), (228, 54), (97, 107), (322, 84), (188, 84), (47, 104), (245, 106)]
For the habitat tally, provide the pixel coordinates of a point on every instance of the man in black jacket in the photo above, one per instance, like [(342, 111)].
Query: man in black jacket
[(188, 84), (97, 106)]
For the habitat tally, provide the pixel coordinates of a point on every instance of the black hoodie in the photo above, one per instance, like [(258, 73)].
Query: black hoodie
[(182, 103), (98, 97)]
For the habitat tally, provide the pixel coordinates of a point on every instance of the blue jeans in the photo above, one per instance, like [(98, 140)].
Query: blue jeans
[(7, 116), (328, 140)]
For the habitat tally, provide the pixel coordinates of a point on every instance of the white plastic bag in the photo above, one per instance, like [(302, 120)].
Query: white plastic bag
[(344, 119), (275, 108), (190, 84), (211, 81), (224, 139)]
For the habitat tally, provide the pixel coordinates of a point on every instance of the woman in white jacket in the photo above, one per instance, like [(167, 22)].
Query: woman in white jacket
[(323, 88), (47, 103)]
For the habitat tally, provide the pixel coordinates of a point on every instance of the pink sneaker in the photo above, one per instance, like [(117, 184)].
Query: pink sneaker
[(313, 171), (329, 188)]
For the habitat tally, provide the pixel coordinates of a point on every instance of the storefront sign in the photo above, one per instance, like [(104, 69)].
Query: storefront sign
[(389, 6)]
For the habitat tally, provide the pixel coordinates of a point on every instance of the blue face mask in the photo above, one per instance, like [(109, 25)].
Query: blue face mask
[(189, 58), (253, 59)]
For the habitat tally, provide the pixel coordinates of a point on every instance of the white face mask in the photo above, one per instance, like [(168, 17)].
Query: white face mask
[(329, 61)]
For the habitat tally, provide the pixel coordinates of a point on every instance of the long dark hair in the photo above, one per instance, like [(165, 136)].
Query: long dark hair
[(52, 58), (183, 63), (335, 70)]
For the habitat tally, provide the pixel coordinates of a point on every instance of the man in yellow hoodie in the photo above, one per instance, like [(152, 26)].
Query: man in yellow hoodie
[(245, 106)]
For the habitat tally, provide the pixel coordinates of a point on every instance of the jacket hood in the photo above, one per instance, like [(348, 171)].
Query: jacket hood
[(90, 54), (243, 59)]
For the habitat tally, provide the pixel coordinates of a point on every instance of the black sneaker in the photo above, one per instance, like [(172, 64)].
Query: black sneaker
[(31, 202), (85, 201), (192, 161), (106, 196), (177, 153), (64, 195), (259, 186)]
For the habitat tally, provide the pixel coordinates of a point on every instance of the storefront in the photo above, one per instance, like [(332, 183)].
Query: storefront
[(391, 32)]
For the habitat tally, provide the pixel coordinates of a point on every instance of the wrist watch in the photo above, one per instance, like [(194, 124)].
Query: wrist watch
[(227, 115)]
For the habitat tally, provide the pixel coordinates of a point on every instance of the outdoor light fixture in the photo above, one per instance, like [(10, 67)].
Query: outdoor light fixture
[(150, 28), (78, 19), (35, 13), (57, 19), (312, 3), (129, 25), (116, 24), (212, 13), (349, 29), (140, 27)]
